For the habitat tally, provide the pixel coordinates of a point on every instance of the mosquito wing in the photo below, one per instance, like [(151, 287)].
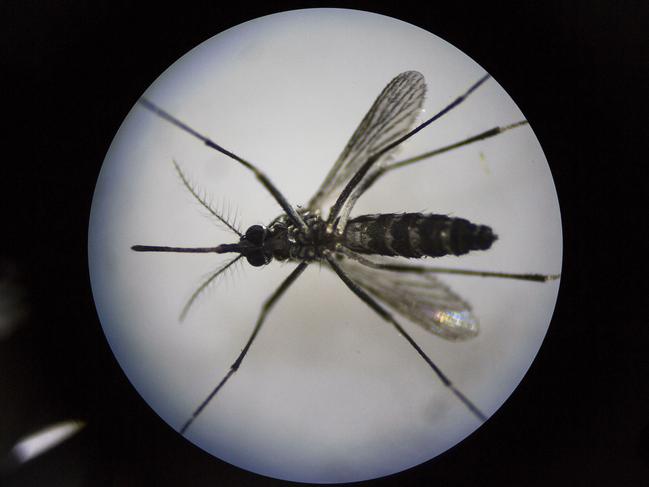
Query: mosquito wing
[(421, 298), (391, 116)]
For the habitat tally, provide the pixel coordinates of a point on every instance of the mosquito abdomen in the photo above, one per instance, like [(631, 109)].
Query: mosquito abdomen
[(415, 235)]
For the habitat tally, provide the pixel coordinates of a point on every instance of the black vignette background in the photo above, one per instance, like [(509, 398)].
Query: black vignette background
[(579, 70)]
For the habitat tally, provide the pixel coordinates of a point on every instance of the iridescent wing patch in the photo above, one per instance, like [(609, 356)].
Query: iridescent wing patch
[(421, 298)]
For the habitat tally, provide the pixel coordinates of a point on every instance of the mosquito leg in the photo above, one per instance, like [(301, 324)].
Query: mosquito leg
[(367, 299), (470, 140), (261, 177), (265, 309), (367, 182), (370, 179), (420, 269), (468, 272), (360, 174)]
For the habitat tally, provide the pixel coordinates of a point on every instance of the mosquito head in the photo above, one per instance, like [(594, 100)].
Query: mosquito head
[(256, 234), (252, 246)]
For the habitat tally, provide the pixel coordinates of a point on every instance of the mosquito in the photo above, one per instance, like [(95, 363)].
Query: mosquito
[(355, 247)]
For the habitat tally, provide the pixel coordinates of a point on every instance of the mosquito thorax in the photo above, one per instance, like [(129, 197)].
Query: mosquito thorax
[(288, 240)]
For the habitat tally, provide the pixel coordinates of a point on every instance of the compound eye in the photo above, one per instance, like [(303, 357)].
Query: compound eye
[(256, 234), (257, 259)]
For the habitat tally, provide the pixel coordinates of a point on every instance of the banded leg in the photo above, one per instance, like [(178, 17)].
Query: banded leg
[(360, 174), (261, 177), (379, 171), (265, 309), (367, 299), (420, 269), (369, 181)]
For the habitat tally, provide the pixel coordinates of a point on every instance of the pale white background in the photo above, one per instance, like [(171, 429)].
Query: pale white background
[(328, 392)]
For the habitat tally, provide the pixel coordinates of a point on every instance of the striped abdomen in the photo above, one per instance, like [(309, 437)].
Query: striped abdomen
[(415, 235)]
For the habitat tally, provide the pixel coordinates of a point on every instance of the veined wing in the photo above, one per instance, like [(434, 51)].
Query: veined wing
[(422, 298), (391, 116)]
